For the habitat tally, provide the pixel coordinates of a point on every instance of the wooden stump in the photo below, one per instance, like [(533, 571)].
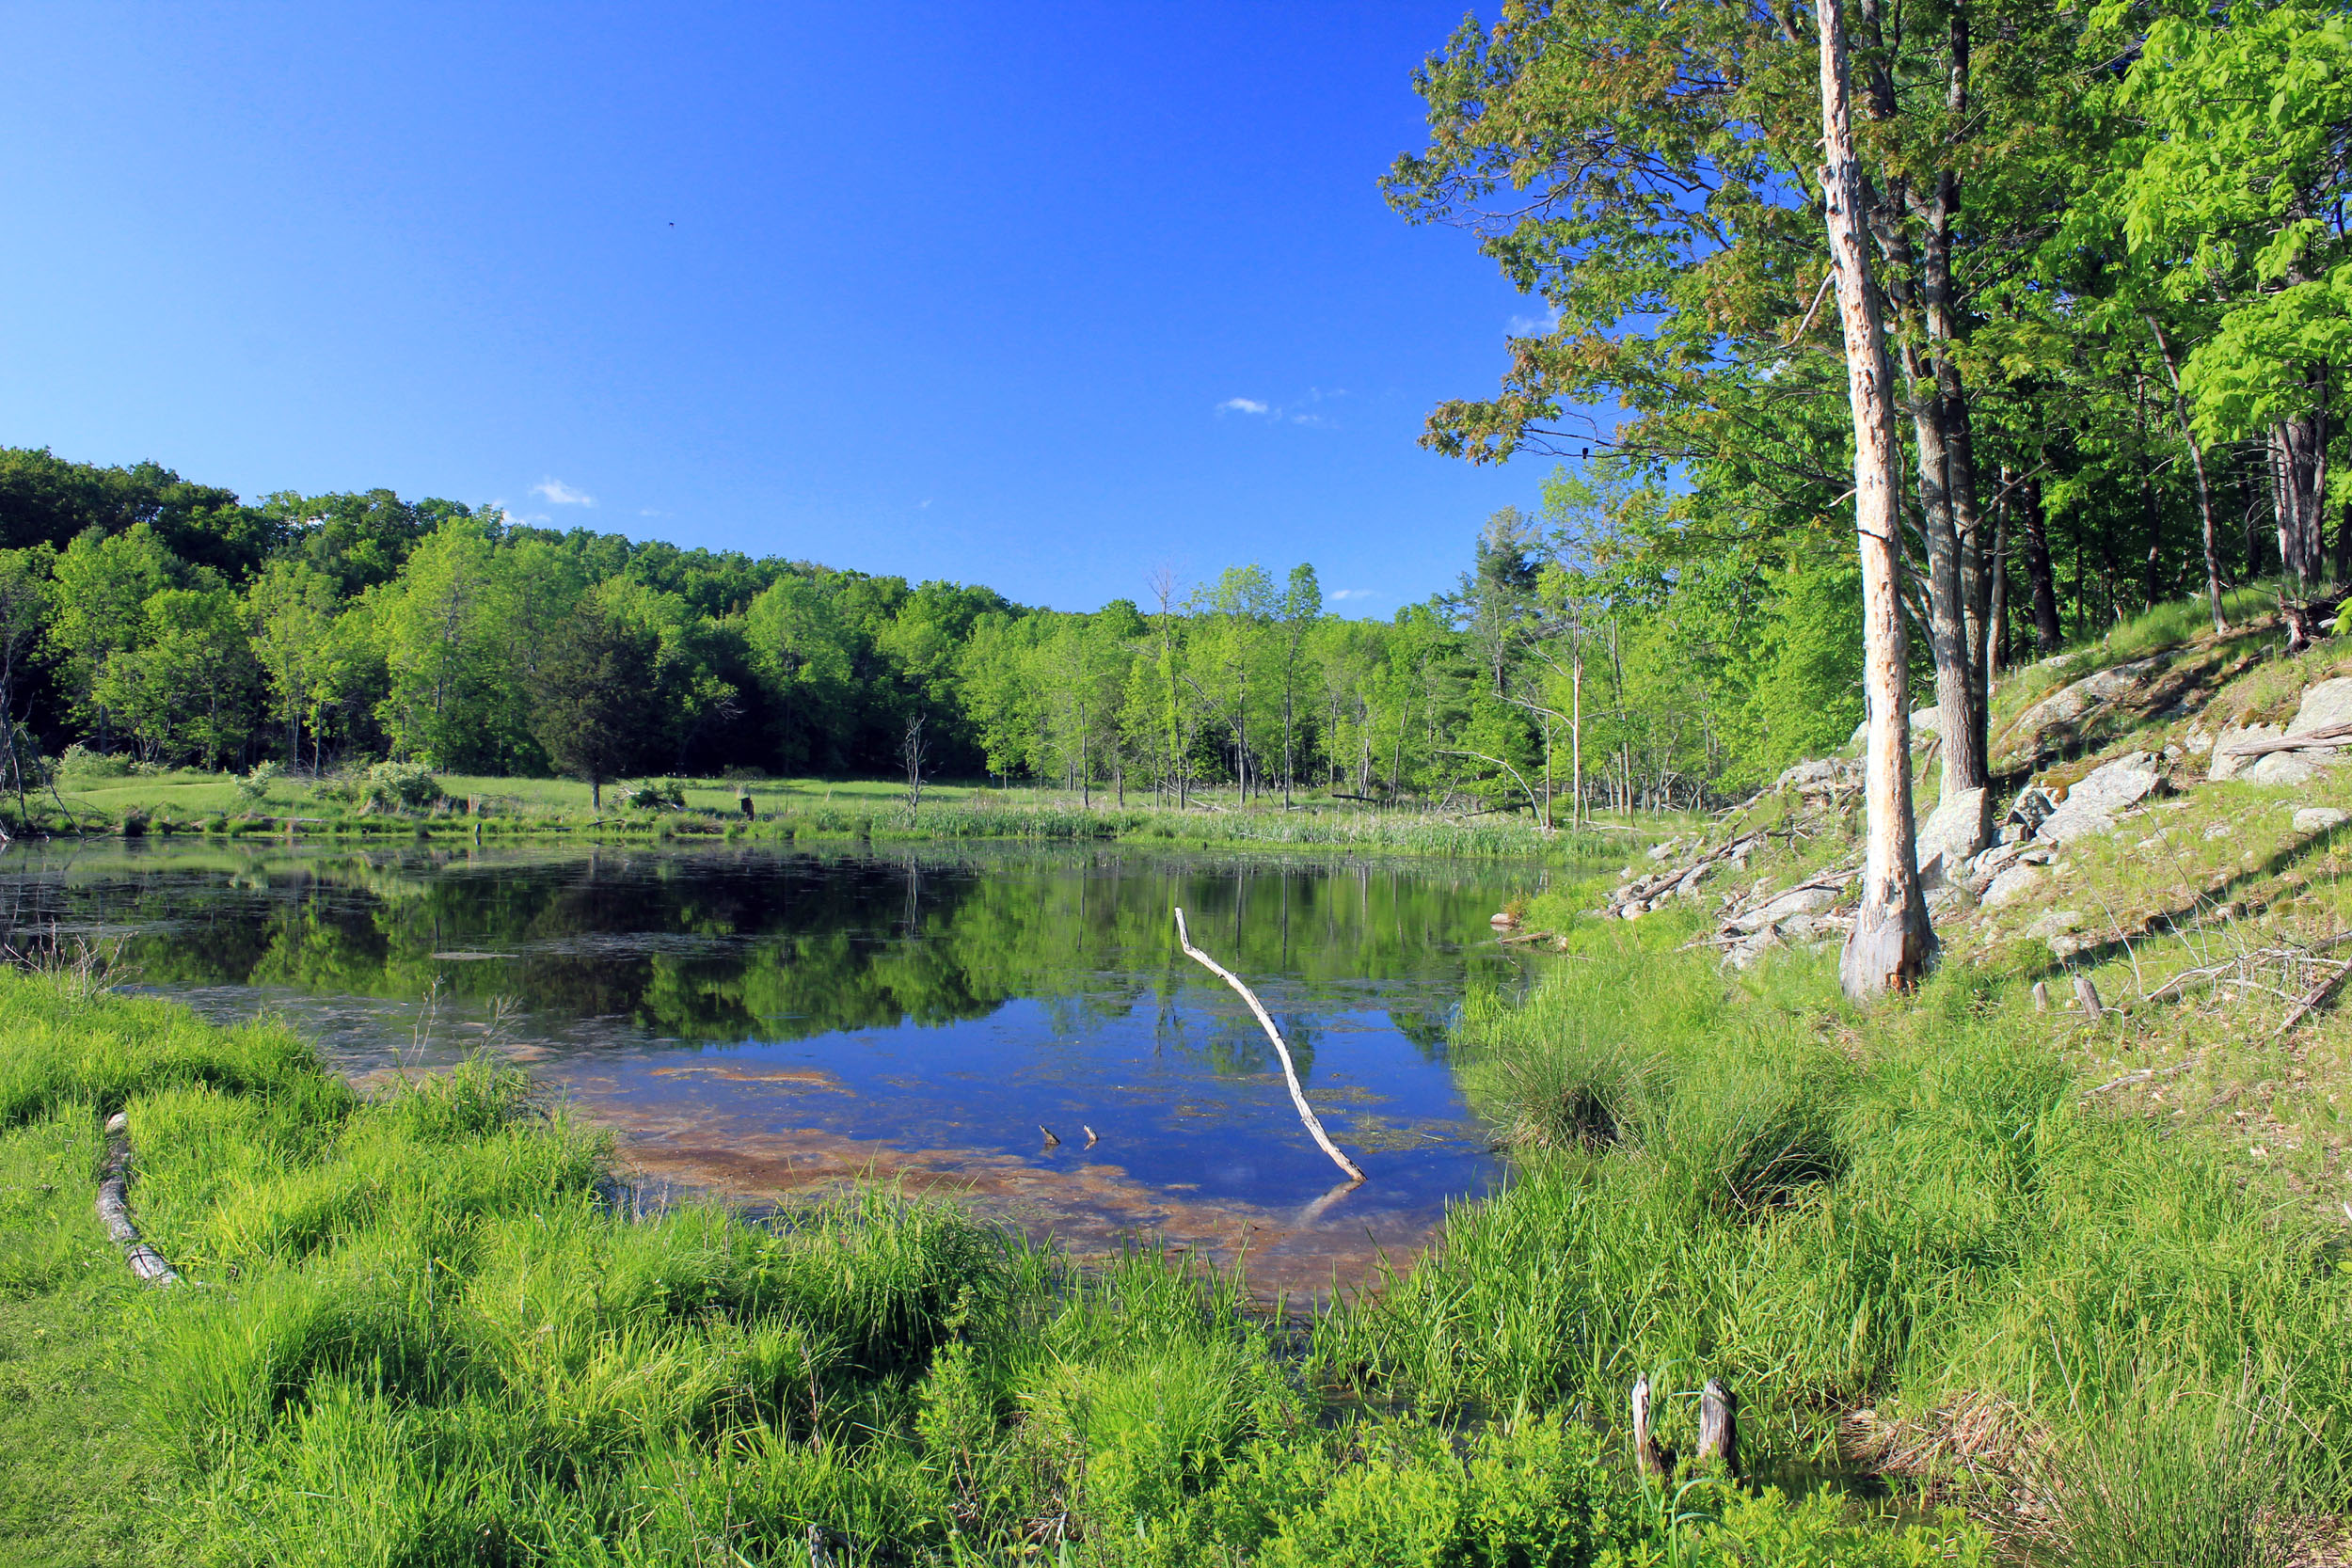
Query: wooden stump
[(1719, 1428), (2088, 994), (1652, 1460)]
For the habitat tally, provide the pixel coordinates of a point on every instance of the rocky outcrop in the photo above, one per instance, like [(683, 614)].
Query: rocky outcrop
[(1952, 835), (2230, 747), (1970, 858), (2107, 792), (2052, 723)]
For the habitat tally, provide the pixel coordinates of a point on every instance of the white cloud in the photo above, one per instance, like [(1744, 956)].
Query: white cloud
[(1338, 594), (649, 512), (923, 505), (1531, 326), (555, 490), (1243, 406)]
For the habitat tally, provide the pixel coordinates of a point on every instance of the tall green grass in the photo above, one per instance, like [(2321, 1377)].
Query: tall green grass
[(1911, 1211), (421, 1331)]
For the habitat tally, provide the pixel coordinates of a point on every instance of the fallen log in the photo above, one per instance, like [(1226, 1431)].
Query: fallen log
[(113, 1206), (2332, 735)]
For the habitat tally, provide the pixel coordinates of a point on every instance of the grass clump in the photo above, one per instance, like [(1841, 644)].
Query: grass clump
[(1906, 1212)]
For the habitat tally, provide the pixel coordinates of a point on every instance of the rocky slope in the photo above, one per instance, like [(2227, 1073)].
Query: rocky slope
[(2146, 797)]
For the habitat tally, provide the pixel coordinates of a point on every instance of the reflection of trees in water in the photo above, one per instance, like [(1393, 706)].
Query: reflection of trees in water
[(733, 945)]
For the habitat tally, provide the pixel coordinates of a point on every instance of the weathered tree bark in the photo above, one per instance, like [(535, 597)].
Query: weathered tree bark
[(2204, 491), (1892, 943), (1719, 1429), (1963, 770), (1935, 396), (2298, 461), (1648, 1455), (2048, 634)]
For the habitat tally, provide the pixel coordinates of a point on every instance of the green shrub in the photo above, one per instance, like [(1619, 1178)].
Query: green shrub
[(667, 794), (405, 786), (254, 787), (80, 762), (1536, 1496)]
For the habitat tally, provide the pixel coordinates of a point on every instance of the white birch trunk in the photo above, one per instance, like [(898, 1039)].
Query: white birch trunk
[(1892, 943)]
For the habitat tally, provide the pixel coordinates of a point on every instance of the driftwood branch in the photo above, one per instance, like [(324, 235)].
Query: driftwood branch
[(2333, 736), (1290, 1073), (113, 1206)]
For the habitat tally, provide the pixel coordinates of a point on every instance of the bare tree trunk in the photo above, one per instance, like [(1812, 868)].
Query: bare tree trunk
[(1576, 737), (1892, 943), (2300, 483), (1936, 394), (2048, 634), (2204, 491), (1996, 594)]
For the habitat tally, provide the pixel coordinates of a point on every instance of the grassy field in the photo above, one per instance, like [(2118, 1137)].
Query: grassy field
[(188, 803)]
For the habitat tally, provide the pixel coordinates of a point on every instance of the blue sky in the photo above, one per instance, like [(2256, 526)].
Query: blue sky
[(1040, 296)]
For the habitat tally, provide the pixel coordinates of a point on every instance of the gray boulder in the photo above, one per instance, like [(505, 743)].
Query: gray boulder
[(1953, 833), (2286, 768), (2059, 715), (2060, 929), (2319, 819), (2325, 706), (2093, 805), (1820, 775), (2026, 814), (1795, 901), (2010, 885), (2226, 763)]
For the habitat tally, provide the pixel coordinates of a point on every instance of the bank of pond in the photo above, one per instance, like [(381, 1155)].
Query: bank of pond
[(398, 801), (425, 1325)]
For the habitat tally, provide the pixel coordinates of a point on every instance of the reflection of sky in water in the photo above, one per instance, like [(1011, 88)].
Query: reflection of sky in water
[(1148, 1086), (941, 1004)]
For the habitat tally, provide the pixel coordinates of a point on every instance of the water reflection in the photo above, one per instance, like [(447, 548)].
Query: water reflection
[(758, 1020)]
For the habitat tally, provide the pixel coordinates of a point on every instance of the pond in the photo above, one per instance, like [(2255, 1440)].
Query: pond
[(1014, 1027)]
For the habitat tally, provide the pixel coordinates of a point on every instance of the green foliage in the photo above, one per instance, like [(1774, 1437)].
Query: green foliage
[(1807, 698), (403, 785), (666, 794), (590, 695), (1537, 1496)]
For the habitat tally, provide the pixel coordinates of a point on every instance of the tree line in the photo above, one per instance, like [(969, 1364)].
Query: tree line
[(143, 616)]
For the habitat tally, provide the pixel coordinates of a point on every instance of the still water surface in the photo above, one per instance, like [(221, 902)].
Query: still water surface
[(759, 1022)]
